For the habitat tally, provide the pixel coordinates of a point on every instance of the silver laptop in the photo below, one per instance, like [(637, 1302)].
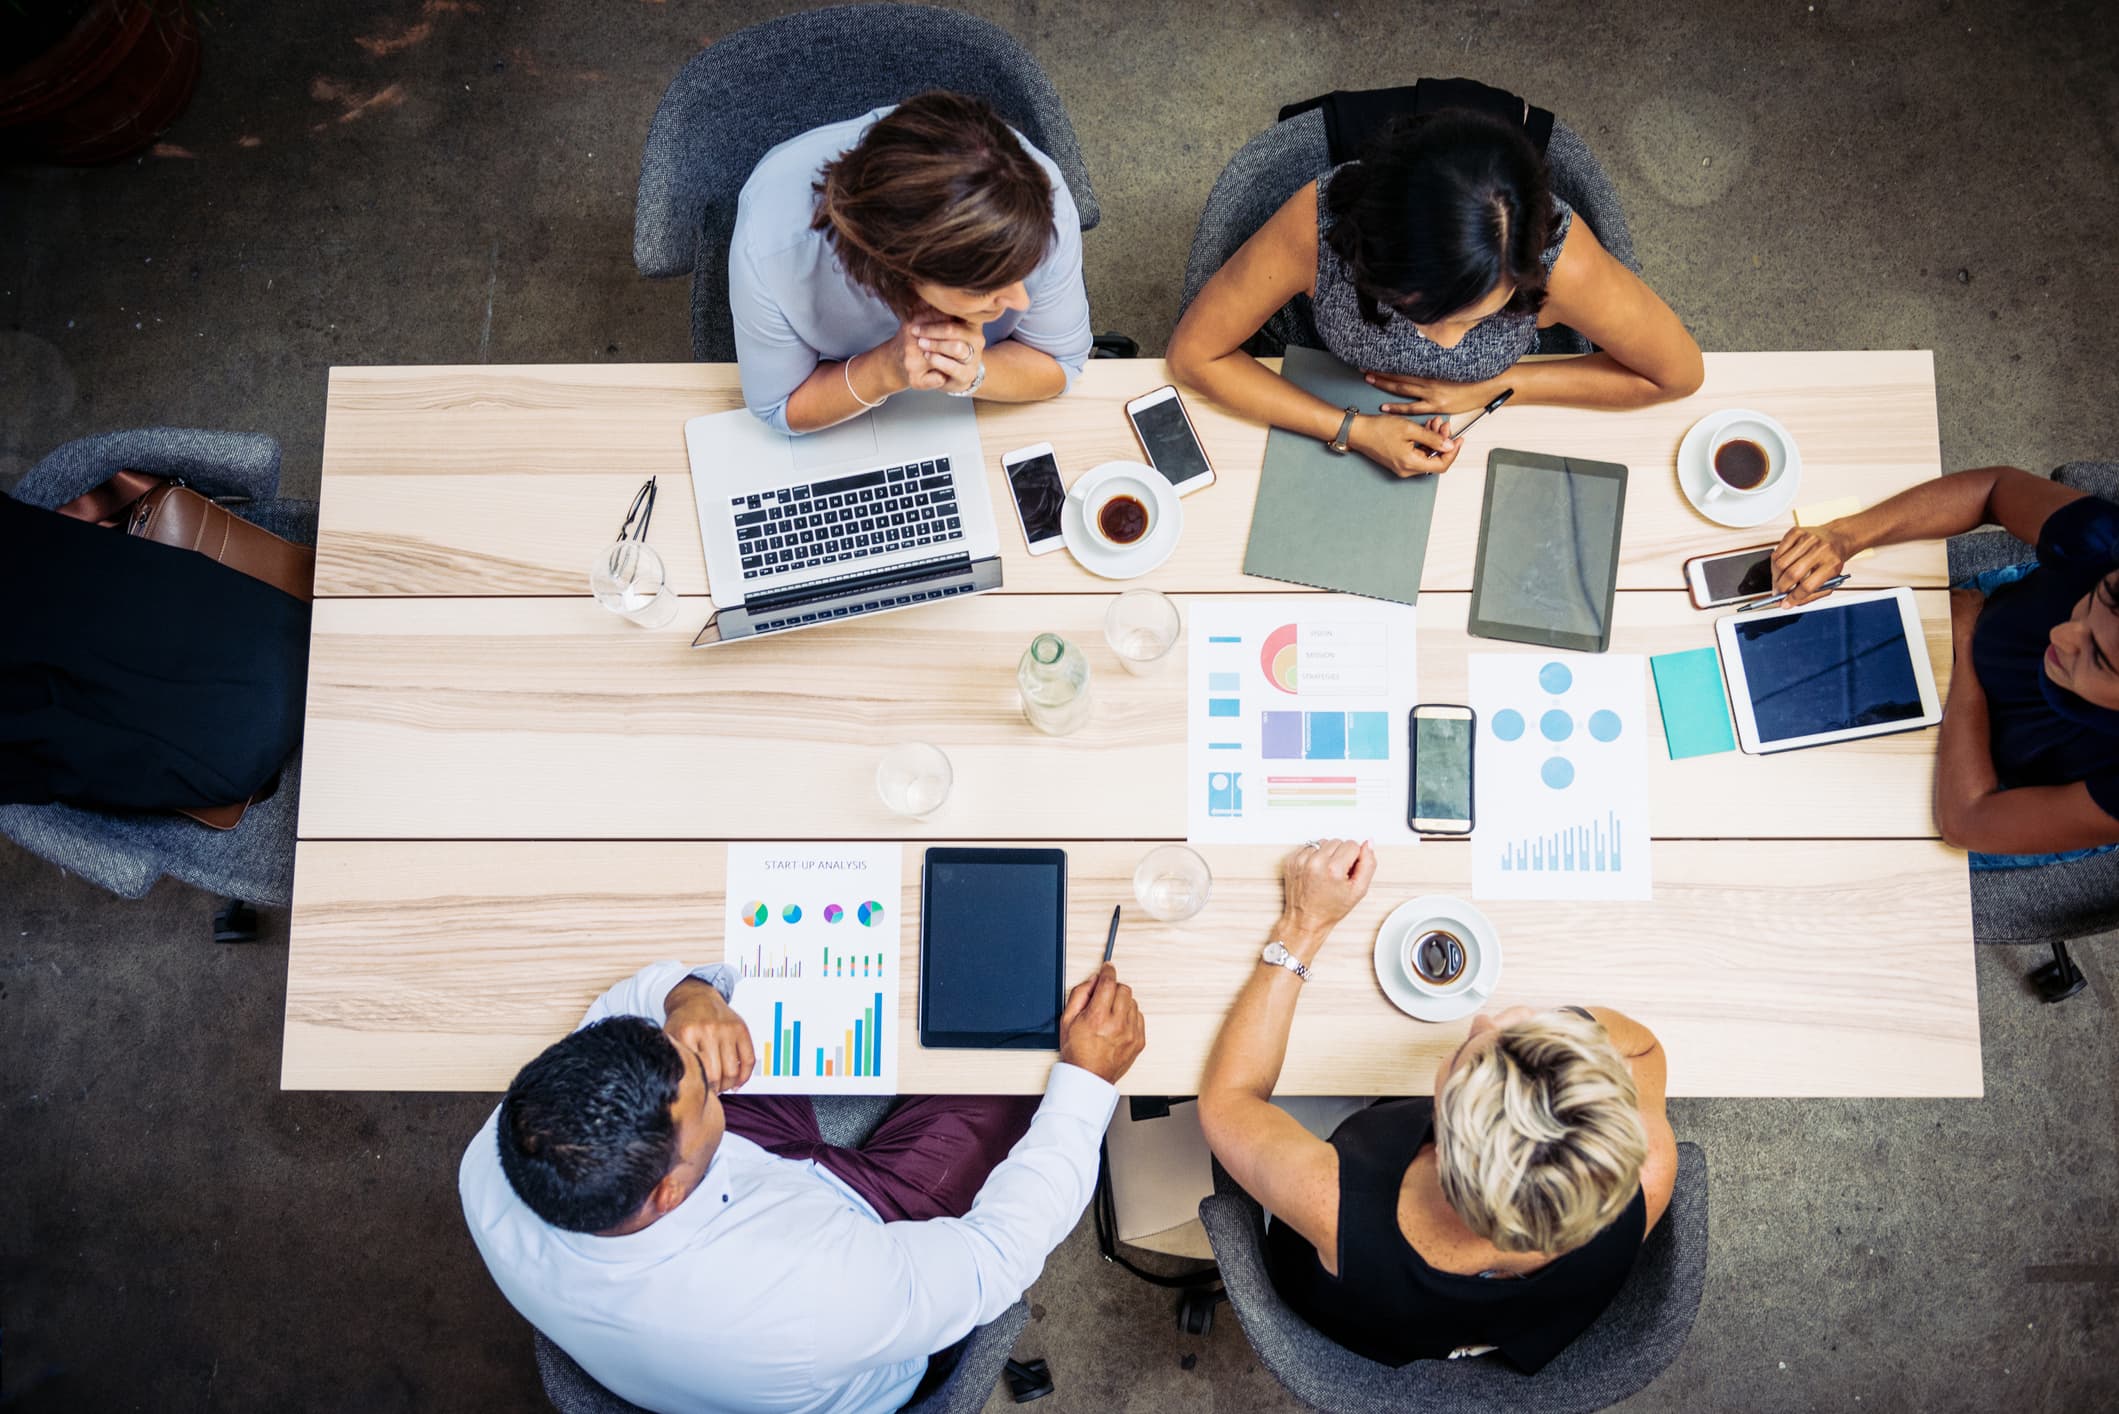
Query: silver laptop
[(884, 512)]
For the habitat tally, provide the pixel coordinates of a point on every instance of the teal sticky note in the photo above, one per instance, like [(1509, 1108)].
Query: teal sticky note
[(1688, 685)]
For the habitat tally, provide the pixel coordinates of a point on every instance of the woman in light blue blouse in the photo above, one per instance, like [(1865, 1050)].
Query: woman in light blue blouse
[(926, 246)]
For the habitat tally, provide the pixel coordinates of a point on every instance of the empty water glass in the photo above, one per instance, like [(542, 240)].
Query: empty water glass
[(914, 779), (1142, 626), (630, 581), (1172, 883)]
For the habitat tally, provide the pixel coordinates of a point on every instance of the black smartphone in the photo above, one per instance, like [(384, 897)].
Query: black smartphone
[(1034, 482), (1440, 799)]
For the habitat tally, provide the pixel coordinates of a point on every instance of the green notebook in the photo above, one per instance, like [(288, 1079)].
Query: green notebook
[(1337, 522)]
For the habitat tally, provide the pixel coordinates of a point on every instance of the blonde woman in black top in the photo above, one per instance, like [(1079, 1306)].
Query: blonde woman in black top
[(1506, 1216)]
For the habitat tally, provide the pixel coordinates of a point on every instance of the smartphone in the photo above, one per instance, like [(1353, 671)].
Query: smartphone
[(1441, 796), (1167, 439), (1730, 576), (1034, 484)]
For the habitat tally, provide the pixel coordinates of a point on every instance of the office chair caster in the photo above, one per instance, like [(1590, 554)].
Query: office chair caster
[(1027, 1380), (1195, 1309), (2059, 979), (236, 923)]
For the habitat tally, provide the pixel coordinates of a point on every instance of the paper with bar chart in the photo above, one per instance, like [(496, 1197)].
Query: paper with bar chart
[(1561, 771), (1296, 719), (813, 929)]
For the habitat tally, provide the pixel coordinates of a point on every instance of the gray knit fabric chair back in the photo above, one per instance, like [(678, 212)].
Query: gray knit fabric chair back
[(2046, 903), (746, 93), (1280, 161), (966, 1390), (1631, 1343), (126, 853)]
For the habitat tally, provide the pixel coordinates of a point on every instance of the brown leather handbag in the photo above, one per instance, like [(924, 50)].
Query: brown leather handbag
[(171, 513)]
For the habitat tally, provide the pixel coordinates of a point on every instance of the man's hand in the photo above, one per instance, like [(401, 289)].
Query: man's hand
[(954, 349), (1403, 446), (1808, 556), (1324, 882), (696, 1018), (1427, 396), (1101, 1028)]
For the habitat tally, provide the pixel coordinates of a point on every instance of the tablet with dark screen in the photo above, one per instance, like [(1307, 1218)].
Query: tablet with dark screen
[(993, 944), (1548, 563)]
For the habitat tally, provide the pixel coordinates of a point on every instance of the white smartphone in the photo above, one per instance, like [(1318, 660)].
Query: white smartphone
[(1729, 577), (1441, 797), (1034, 486), (1168, 441)]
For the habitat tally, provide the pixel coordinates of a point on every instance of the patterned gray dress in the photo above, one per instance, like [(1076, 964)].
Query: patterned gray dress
[(1489, 350)]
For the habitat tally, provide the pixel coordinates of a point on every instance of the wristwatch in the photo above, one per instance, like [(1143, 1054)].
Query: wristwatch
[(1341, 443), (1276, 954), (976, 379)]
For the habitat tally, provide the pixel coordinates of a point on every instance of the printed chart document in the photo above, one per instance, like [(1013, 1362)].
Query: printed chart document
[(1296, 719), (814, 930), (1561, 770)]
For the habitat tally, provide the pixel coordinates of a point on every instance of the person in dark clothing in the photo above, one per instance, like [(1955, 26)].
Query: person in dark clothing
[(2028, 756), (1503, 1217)]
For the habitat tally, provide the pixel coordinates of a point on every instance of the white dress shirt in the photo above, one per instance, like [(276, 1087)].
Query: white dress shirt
[(773, 1286), (794, 305)]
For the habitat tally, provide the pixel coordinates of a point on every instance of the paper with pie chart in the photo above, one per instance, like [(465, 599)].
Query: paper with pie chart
[(1561, 768), (813, 929), (1296, 719)]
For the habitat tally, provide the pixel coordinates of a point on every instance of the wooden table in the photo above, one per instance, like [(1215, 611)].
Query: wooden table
[(511, 798)]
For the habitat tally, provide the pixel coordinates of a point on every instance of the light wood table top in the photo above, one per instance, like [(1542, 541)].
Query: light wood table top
[(510, 798)]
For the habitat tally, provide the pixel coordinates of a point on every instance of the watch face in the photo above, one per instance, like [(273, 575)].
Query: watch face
[(1275, 953)]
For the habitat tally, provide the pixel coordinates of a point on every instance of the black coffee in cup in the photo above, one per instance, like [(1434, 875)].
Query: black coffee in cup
[(1123, 519), (1741, 464), (1439, 957)]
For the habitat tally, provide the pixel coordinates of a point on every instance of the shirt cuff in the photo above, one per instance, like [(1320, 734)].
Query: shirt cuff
[(1075, 1092), (721, 976)]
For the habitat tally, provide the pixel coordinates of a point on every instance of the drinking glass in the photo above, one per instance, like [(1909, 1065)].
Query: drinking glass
[(630, 581), (1172, 883), (914, 779), (1142, 626)]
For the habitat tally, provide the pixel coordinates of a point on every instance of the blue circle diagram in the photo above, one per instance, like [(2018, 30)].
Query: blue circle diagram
[(1559, 773), (1604, 725), (1508, 724), (1555, 678), (1556, 725)]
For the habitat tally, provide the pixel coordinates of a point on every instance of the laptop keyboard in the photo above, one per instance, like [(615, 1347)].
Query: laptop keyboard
[(847, 518)]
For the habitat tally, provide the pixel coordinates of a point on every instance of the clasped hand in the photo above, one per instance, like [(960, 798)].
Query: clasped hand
[(934, 353)]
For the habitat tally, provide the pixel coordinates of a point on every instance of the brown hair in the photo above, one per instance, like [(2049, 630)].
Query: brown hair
[(937, 191)]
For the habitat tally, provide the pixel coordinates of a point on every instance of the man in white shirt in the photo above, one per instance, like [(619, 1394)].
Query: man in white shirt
[(700, 1257)]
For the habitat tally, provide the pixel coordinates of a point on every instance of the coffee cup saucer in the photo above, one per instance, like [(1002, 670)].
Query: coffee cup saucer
[(1467, 922), (1696, 474), (1134, 560)]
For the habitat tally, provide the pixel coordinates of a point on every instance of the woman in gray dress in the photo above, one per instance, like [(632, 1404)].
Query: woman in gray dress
[(1431, 264)]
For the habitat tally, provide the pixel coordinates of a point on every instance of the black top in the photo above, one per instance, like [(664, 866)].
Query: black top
[(1388, 1305), (2041, 734)]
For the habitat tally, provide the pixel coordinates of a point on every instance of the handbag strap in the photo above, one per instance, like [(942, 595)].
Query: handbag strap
[(107, 504)]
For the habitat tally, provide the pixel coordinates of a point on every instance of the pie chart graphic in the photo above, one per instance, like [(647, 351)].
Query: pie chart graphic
[(791, 914), (870, 914), (755, 913), (1277, 658), (833, 913)]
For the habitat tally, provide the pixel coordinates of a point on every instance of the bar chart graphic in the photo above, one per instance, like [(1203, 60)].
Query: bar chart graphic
[(1595, 848), (853, 1051)]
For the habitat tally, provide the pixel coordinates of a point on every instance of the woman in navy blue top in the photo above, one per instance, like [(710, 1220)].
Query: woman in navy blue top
[(2028, 767)]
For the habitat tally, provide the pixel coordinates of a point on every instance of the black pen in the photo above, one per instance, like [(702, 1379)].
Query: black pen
[(1771, 599), (1455, 432), (1112, 941)]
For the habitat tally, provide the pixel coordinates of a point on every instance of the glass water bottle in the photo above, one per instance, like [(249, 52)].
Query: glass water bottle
[(1054, 678)]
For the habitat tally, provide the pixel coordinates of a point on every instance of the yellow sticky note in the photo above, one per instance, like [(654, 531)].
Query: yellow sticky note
[(1823, 511)]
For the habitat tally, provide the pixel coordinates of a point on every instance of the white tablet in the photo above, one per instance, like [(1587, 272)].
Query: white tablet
[(1847, 666)]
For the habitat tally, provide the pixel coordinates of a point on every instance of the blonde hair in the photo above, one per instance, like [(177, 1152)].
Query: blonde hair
[(1539, 1141)]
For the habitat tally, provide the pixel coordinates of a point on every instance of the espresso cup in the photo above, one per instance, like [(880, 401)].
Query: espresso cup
[(1747, 458), (1121, 505), (1439, 957)]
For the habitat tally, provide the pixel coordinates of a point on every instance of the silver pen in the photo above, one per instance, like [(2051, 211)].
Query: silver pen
[(1771, 599)]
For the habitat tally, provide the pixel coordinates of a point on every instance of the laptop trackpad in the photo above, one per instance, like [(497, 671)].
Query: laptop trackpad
[(853, 441)]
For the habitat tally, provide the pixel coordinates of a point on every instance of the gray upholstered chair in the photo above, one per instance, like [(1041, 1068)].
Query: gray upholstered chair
[(845, 1121), (1635, 1339), (2047, 903), (1276, 164), (750, 91), (123, 852)]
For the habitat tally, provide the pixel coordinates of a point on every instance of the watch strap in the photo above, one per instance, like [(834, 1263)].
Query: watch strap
[(1286, 959), (1339, 442)]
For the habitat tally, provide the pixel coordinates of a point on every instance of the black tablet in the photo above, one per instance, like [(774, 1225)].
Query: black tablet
[(1548, 550), (993, 948)]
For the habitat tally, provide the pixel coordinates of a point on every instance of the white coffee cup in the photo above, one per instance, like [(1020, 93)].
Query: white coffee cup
[(1130, 487), (1452, 951), (1762, 435)]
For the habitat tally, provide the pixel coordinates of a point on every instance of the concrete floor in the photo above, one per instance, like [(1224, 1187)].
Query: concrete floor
[(378, 181)]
